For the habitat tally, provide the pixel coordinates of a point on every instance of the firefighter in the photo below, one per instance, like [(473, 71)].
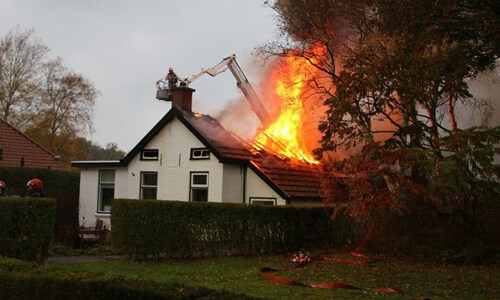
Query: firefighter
[(171, 79), (35, 188), (2, 189)]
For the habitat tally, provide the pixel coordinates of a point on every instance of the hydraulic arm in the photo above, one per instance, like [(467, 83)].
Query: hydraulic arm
[(242, 82)]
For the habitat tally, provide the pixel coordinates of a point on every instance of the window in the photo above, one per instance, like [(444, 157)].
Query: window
[(149, 184), (199, 186), (263, 201), (149, 154), (106, 190), (200, 153)]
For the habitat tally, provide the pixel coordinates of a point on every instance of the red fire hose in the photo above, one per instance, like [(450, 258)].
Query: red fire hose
[(265, 272)]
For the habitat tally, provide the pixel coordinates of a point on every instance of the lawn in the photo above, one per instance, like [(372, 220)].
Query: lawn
[(241, 275)]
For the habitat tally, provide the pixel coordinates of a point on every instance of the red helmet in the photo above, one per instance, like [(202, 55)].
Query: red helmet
[(35, 183), (2, 184)]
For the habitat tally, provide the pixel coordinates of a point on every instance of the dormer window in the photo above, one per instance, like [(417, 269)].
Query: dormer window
[(200, 153), (149, 154)]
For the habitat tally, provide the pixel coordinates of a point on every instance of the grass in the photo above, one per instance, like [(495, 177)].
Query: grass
[(241, 275)]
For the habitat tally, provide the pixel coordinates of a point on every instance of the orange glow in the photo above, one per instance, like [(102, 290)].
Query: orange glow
[(285, 136)]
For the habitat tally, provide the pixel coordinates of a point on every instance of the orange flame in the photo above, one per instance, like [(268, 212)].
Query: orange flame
[(285, 136)]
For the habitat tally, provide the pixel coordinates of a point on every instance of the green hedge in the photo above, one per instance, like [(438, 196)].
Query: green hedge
[(192, 229), (21, 280), (61, 185), (26, 227)]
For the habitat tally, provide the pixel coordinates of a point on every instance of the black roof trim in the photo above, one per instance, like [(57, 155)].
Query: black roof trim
[(180, 115), (97, 164), (267, 180)]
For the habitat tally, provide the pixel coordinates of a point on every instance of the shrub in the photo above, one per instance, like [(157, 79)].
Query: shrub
[(193, 229), (61, 185), (25, 281), (26, 227)]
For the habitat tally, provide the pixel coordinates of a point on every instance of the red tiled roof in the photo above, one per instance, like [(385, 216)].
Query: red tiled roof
[(17, 147), (295, 180), (301, 181)]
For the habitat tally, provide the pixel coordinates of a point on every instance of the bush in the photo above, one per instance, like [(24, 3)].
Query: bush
[(26, 227), (193, 229), (25, 281), (61, 185)]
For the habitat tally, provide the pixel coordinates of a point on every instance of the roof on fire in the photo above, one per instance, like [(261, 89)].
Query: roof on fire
[(291, 180)]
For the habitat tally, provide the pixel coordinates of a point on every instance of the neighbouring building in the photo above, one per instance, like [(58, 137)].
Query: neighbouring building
[(18, 150), (190, 157)]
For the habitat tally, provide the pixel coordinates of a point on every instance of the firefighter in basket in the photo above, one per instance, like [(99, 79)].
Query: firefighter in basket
[(171, 79)]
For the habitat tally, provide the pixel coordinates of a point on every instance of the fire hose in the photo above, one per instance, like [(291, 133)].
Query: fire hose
[(265, 272)]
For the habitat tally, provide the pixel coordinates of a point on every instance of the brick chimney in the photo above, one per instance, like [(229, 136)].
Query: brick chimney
[(182, 97)]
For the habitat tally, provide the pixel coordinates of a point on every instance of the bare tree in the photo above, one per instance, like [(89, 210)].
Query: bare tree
[(21, 56)]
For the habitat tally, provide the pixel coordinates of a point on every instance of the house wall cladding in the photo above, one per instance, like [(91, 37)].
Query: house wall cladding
[(257, 188)]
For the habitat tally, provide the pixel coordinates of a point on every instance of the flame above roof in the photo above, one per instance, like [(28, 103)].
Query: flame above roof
[(294, 179)]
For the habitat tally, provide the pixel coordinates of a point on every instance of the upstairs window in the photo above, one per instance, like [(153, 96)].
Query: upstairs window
[(149, 154), (200, 153), (149, 185), (199, 186)]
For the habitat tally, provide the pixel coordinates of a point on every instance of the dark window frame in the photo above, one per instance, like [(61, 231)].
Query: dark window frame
[(263, 200), (105, 185), (198, 187), (144, 186), (153, 157), (200, 157)]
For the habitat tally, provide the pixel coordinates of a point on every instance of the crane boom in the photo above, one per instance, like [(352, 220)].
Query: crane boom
[(242, 83)]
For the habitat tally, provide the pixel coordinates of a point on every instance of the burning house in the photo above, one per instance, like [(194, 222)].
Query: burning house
[(191, 157)]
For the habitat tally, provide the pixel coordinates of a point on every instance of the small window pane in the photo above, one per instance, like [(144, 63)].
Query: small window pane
[(107, 193), (200, 195), (149, 154), (200, 179), (149, 193), (200, 153), (149, 178), (107, 176), (263, 202)]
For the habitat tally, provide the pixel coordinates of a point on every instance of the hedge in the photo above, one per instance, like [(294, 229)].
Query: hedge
[(26, 227), (21, 280), (61, 185), (193, 229)]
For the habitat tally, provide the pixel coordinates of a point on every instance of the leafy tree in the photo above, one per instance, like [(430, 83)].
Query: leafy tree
[(392, 74), (109, 152)]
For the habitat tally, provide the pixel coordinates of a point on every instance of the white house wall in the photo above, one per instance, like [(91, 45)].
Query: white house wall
[(256, 188), (232, 184), (174, 143), (89, 194)]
